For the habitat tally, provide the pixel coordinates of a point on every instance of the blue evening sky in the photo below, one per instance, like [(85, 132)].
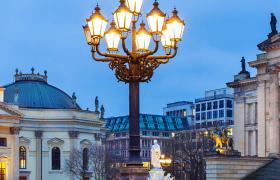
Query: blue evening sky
[(47, 34)]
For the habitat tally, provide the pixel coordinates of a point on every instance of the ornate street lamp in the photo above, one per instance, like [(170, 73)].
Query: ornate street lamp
[(138, 64)]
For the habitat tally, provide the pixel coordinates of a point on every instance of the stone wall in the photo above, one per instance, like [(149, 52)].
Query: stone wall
[(232, 168)]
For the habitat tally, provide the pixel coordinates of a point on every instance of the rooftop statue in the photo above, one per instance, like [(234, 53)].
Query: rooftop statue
[(102, 109), (273, 23), (96, 104), (243, 64), (222, 139)]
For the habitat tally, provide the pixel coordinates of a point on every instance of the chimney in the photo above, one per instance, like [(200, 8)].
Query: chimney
[(2, 90)]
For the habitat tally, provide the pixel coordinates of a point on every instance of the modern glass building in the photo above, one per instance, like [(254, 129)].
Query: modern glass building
[(184, 109), (215, 109), (152, 127)]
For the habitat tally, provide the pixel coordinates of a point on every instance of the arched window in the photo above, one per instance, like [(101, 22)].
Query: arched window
[(55, 158), (85, 159), (22, 157)]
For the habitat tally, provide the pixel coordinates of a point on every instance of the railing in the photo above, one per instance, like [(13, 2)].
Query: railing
[(262, 56)]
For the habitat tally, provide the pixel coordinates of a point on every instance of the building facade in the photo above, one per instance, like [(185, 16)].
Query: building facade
[(184, 109), (39, 126), (152, 127), (215, 109), (257, 102)]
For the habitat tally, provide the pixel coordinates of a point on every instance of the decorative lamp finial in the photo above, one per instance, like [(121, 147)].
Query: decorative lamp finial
[(45, 72), (16, 71)]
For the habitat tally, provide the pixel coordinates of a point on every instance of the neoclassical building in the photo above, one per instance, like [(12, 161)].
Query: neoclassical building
[(256, 117), (39, 126)]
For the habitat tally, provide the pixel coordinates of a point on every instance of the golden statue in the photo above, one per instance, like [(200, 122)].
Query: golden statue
[(222, 139)]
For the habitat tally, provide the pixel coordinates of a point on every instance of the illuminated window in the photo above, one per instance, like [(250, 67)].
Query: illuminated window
[(85, 159), (2, 171), (22, 157), (55, 158)]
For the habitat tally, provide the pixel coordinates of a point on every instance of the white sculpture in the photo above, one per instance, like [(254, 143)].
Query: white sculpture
[(155, 155), (157, 173)]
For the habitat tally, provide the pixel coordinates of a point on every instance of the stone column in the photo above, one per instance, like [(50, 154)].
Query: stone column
[(254, 143), (15, 151), (247, 142), (261, 94), (274, 113), (73, 135), (38, 136)]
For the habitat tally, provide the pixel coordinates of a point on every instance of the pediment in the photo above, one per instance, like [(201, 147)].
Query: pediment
[(86, 143), (9, 112), (24, 140), (55, 142)]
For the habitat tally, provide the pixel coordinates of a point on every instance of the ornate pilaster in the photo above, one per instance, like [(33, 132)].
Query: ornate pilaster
[(38, 135), (274, 113), (14, 131), (73, 135), (261, 94)]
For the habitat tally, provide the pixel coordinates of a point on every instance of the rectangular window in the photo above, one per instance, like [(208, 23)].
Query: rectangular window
[(3, 142), (221, 113), (203, 116), (209, 115), (155, 133), (229, 103), (197, 108), (229, 113), (215, 114), (215, 105), (209, 124), (209, 105), (203, 106), (197, 116), (197, 125), (221, 104)]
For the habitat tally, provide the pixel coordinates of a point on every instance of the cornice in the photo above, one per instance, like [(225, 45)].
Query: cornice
[(246, 82)]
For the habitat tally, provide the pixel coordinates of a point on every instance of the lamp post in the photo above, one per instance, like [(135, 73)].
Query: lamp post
[(138, 64)]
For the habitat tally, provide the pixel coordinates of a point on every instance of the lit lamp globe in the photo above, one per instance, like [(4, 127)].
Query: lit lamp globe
[(97, 24), (134, 6), (143, 38), (112, 37), (165, 39), (156, 19), (123, 17), (175, 27)]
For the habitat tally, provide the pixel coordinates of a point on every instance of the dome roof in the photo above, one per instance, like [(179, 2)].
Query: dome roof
[(33, 91)]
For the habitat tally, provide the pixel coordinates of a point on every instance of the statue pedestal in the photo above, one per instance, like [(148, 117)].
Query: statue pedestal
[(156, 174), (223, 152), (134, 173)]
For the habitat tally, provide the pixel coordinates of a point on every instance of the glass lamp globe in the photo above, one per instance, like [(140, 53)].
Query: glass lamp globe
[(156, 19), (165, 39), (134, 6), (97, 23), (112, 37), (123, 17), (175, 27), (143, 38)]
